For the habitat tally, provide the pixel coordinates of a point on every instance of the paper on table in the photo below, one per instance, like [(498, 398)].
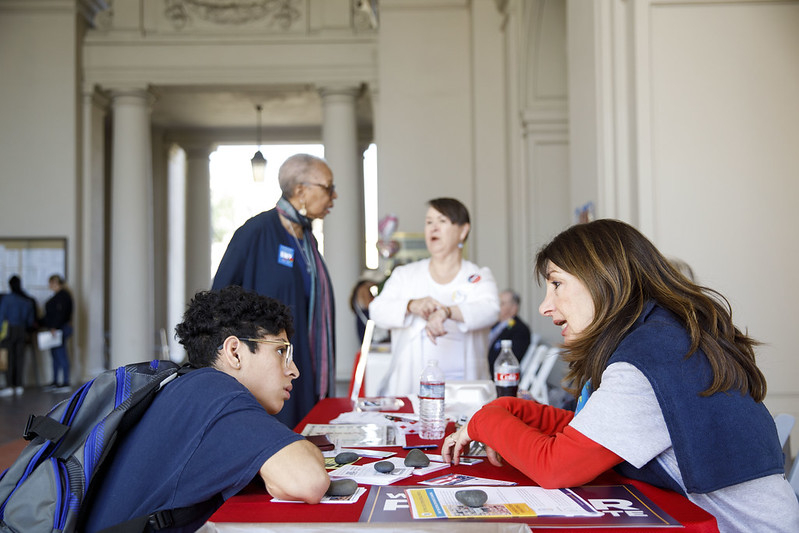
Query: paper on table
[(399, 462), (502, 502), (362, 452), (366, 474), (461, 479), (333, 499)]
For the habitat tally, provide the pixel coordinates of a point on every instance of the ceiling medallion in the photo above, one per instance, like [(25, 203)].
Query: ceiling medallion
[(282, 12)]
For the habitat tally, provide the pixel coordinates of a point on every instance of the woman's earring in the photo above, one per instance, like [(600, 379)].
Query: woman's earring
[(460, 245), (303, 211)]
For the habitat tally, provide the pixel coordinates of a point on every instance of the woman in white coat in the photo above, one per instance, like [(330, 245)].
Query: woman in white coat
[(439, 308)]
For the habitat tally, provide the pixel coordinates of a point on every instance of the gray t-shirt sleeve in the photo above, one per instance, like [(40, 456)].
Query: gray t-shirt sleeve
[(624, 416)]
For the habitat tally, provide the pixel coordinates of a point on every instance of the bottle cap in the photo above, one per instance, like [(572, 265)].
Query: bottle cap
[(506, 343)]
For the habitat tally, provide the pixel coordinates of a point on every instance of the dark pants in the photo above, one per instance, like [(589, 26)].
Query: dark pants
[(61, 359), (15, 342)]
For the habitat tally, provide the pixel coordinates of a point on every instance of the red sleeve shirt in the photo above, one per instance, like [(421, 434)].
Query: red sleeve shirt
[(537, 440)]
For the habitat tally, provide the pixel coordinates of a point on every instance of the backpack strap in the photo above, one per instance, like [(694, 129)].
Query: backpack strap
[(168, 518), (44, 427)]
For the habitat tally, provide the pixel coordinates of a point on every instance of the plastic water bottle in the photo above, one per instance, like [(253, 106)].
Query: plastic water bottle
[(431, 402), (506, 370)]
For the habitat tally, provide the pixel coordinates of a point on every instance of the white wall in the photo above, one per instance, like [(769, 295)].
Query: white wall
[(695, 123), (425, 130), (725, 156), (38, 140), (39, 131)]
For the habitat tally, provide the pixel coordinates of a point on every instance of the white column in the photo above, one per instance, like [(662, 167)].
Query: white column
[(176, 248), (198, 218), (132, 331), (93, 293), (344, 231)]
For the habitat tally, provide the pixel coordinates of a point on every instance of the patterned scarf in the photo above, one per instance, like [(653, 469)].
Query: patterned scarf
[(320, 306)]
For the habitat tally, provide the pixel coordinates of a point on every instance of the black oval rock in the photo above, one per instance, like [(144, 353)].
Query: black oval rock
[(342, 487), (417, 458), (472, 498), (346, 457), (386, 467)]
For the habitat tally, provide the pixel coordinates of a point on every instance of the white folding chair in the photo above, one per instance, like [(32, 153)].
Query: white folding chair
[(539, 388), (534, 379), (530, 365), (360, 368), (527, 358)]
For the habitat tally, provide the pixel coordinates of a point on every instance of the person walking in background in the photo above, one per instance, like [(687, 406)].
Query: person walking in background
[(437, 308), (58, 317), (275, 254), (509, 327), (18, 311)]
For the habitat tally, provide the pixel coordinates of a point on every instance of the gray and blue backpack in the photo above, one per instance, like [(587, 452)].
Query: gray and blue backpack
[(50, 485)]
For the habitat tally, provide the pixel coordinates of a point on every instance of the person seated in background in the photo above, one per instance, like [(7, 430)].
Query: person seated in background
[(213, 430), (438, 308), (509, 327), (361, 296), (669, 390)]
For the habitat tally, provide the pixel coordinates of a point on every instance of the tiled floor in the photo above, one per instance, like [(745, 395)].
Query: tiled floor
[(14, 412)]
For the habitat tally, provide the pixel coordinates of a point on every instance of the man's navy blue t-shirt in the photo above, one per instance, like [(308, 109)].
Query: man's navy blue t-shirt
[(204, 434)]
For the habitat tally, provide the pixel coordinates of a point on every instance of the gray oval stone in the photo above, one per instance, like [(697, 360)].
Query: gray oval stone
[(342, 487), (386, 467), (417, 458), (472, 498), (346, 457)]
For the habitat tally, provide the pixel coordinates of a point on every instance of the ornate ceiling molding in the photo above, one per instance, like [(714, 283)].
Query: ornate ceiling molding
[(283, 13)]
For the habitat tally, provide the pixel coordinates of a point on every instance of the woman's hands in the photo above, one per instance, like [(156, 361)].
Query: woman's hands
[(424, 307), (457, 443), (434, 312)]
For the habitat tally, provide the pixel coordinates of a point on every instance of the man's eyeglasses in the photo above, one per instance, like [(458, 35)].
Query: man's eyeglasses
[(287, 357), (329, 189)]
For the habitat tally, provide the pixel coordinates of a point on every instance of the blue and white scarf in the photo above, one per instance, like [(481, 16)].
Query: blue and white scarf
[(320, 306)]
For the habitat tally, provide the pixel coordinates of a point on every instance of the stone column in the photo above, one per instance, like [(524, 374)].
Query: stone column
[(93, 223), (343, 228), (198, 218), (132, 331)]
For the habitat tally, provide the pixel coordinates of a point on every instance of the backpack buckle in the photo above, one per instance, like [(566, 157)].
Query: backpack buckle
[(161, 520)]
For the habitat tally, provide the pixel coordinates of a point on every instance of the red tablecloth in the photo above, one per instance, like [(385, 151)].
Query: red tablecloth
[(251, 506)]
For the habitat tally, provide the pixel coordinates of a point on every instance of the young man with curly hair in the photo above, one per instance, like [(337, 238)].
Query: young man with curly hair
[(213, 430)]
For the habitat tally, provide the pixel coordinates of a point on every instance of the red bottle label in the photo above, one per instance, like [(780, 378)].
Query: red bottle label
[(506, 379)]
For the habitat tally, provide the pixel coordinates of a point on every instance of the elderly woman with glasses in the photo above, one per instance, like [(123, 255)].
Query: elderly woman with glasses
[(275, 254)]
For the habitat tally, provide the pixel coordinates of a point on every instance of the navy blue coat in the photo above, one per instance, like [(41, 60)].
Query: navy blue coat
[(253, 261)]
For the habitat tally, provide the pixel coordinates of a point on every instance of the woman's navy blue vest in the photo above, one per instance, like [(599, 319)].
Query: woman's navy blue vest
[(719, 440)]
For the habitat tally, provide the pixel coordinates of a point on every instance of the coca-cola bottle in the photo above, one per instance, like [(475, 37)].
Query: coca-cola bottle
[(506, 370)]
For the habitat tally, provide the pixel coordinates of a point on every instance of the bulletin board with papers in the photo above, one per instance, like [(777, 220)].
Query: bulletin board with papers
[(34, 260)]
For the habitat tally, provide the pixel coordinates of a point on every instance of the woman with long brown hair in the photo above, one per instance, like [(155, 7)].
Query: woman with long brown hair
[(669, 392)]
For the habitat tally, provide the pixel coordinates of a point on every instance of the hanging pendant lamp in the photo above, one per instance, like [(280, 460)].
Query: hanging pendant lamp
[(258, 160)]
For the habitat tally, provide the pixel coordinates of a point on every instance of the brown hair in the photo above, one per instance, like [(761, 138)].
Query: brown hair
[(622, 270), (453, 209)]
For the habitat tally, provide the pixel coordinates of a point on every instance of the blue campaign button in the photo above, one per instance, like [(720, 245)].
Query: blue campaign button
[(285, 256)]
